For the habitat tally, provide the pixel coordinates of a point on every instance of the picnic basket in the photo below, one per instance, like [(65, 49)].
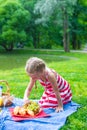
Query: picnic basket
[(6, 96)]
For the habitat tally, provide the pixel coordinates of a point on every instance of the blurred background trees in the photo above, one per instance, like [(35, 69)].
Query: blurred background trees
[(13, 22), (50, 24)]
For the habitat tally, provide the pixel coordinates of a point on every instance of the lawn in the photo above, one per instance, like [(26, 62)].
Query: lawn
[(72, 66)]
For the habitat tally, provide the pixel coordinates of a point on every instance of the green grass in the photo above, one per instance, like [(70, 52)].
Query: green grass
[(72, 66)]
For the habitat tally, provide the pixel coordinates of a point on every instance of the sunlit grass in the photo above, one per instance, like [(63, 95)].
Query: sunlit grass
[(72, 66)]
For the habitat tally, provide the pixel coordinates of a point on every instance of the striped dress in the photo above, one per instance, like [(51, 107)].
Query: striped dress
[(48, 98)]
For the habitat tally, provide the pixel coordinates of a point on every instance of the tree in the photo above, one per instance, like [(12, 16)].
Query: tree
[(13, 19), (79, 24), (32, 29), (64, 11)]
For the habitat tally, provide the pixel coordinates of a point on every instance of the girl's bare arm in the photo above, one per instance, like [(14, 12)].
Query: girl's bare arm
[(52, 79), (28, 89)]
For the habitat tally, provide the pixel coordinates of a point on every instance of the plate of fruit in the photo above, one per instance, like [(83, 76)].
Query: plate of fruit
[(27, 111), (30, 109)]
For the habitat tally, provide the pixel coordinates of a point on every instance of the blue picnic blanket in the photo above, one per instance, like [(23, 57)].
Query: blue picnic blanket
[(54, 122)]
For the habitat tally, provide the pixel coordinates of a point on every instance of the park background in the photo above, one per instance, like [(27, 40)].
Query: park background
[(55, 31)]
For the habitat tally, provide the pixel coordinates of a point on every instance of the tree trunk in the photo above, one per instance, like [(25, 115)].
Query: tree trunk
[(34, 41), (79, 45), (75, 35), (35, 37), (66, 32), (74, 41), (7, 47), (38, 39)]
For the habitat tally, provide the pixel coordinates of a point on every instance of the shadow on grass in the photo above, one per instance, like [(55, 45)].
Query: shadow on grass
[(18, 58)]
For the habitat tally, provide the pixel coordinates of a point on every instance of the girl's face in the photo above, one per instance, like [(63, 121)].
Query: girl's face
[(36, 75)]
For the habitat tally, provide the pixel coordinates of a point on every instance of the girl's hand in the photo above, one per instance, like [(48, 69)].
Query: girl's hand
[(59, 109), (26, 101)]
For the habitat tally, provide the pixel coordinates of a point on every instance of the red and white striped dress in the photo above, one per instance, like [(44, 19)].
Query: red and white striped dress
[(48, 98)]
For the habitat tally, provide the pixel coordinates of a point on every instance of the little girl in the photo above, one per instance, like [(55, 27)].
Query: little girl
[(56, 89)]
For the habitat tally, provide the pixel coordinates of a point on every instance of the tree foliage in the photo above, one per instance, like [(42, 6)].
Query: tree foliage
[(13, 23), (43, 23), (64, 9)]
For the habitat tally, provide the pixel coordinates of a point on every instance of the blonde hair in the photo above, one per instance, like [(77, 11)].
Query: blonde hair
[(35, 64)]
